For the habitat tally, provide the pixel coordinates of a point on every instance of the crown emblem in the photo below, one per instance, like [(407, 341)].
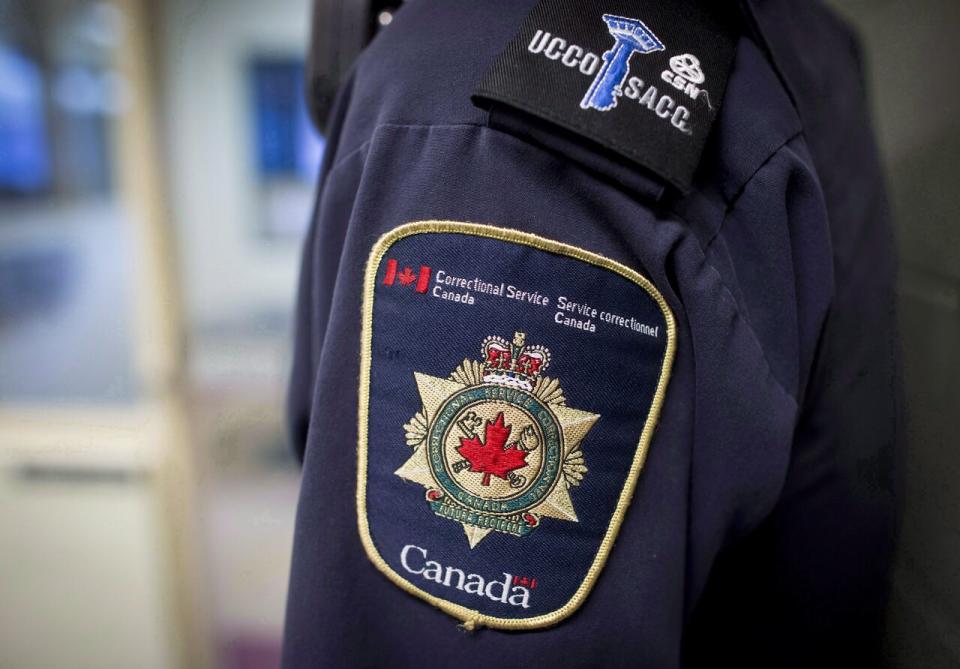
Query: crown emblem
[(513, 363)]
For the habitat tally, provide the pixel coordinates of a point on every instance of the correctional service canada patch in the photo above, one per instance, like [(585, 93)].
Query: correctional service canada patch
[(509, 389)]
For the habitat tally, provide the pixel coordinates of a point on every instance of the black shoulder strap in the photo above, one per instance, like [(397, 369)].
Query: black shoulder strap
[(642, 79)]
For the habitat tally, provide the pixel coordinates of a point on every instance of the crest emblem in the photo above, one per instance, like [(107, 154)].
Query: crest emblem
[(504, 414), (495, 445)]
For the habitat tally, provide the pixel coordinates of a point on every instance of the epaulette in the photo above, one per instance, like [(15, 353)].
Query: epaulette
[(644, 80)]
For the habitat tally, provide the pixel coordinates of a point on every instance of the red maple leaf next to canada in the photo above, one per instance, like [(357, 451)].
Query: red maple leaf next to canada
[(406, 276), (491, 456)]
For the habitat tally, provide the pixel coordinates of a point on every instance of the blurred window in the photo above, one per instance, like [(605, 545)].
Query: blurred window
[(24, 160), (287, 147), (65, 303)]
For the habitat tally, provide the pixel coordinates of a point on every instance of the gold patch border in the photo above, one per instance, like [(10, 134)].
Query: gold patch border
[(471, 618)]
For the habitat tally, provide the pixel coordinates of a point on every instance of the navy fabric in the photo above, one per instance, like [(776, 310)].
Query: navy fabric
[(760, 527)]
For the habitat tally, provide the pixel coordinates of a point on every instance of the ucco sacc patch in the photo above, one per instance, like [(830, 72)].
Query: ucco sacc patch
[(642, 79), (509, 388)]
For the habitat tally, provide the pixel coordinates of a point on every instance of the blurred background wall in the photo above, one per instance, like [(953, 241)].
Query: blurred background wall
[(156, 176)]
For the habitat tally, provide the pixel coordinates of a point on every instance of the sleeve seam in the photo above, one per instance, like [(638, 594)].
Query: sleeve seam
[(704, 248)]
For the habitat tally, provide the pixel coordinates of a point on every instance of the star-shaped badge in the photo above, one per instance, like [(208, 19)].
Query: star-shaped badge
[(495, 444)]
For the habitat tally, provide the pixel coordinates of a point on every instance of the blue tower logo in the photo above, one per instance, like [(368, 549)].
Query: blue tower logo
[(630, 36)]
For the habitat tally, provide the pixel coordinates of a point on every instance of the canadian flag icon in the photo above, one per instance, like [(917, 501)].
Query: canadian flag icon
[(406, 276)]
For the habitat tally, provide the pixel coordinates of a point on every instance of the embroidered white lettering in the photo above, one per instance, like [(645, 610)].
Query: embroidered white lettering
[(634, 86), (572, 56), (687, 87), (460, 577), (555, 49), (585, 325), (463, 298), (538, 42), (589, 63), (525, 296), (665, 106), (403, 558), (662, 105), (580, 308), (680, 118), (504, 590), (503, 586)]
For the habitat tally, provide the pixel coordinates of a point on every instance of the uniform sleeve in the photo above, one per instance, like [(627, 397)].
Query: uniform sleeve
[(809, 585), (617, 425), (318, 267)]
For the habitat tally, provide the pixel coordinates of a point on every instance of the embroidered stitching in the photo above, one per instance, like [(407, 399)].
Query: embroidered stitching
[(472, 618)]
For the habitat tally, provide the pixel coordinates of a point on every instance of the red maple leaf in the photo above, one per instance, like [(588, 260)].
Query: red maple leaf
[(406, 276), (491, 456)]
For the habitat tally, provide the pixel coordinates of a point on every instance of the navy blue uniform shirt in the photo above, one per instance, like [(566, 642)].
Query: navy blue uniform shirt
[(554, 410)]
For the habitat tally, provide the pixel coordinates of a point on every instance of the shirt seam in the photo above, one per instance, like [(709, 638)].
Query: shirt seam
[(397, 124), (732, 203), (705, 248)]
